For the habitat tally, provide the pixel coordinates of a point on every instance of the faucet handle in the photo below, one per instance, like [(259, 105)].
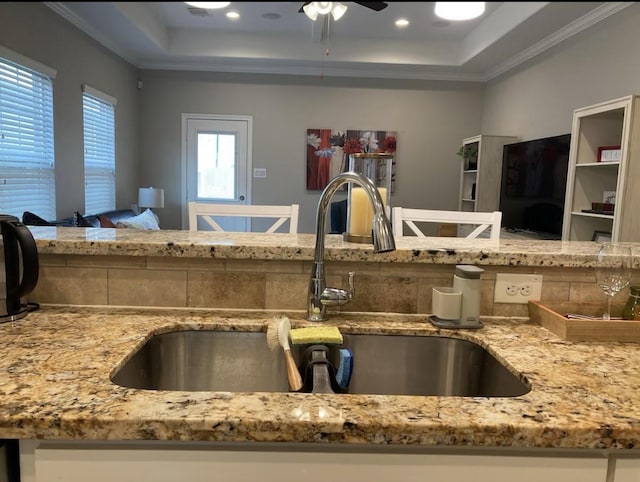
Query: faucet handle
[(337, 296), (352, 289)]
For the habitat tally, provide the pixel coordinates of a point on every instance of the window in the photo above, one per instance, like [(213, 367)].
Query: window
[(99, 151), (27, 177), (216, 166)]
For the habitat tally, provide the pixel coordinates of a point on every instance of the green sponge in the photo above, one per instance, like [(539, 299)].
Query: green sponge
[(316, 334)]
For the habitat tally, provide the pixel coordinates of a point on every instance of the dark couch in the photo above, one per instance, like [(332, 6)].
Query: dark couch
[(91, 221)]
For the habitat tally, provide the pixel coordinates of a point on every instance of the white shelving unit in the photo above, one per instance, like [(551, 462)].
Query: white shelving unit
[(482, 170), (612, 123)]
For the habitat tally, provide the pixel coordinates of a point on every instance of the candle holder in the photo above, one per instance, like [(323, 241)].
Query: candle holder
[(376, 167)]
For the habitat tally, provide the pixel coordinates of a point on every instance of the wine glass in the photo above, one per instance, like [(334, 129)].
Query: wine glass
[(613, 271)]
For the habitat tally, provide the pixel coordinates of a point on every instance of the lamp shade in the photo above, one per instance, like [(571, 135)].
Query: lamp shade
[(149, 197)]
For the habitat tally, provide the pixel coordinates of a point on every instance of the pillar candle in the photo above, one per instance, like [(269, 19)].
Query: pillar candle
[(361, 211)]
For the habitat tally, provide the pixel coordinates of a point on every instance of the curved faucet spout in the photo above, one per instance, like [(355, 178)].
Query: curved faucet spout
[(383, 241)]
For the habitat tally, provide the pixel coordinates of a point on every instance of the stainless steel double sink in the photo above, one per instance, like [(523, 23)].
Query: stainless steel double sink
[(201, 360)]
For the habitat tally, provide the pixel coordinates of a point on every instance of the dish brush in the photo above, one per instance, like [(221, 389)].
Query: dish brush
[(278, 336)]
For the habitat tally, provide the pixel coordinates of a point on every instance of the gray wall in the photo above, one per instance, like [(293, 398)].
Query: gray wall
[(33, 30), (538, 98), (534, 100), (431, 120)]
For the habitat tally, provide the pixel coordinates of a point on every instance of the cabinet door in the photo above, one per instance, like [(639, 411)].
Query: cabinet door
[(73, 464), (627, 470)]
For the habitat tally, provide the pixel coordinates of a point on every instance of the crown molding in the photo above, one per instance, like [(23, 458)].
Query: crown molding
[(602, 12), (77, 21), (381, 71)]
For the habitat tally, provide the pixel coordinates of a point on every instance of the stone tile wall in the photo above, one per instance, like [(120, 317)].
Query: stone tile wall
[(267, 284)]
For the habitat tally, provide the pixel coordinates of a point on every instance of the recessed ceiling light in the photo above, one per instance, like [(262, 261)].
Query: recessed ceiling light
[(233, 15), (459, 10), (402, 22), (208, 5)]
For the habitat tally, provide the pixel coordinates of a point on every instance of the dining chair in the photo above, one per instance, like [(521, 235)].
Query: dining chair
[(208, 211), (478, 222)]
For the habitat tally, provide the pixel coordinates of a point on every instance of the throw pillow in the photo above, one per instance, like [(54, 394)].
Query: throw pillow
[(144, 220), (105, 222), (31, 219), (83, 223)]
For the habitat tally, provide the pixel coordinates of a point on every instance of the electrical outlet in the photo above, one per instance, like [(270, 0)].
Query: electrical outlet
[(512, 289), (517, 288)]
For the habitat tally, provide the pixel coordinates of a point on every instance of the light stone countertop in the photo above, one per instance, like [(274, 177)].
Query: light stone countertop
[(56, 365), (198, 244)]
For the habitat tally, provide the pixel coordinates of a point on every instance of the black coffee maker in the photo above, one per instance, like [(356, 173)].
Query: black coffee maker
[(19, 268)]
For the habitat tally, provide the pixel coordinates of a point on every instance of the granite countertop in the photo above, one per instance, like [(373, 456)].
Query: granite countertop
[(56, 365), (198, 244)]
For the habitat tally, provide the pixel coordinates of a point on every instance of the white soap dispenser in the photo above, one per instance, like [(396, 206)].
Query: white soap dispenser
[(467, 280)]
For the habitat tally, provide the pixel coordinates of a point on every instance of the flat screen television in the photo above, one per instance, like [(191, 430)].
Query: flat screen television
[(534, 179)]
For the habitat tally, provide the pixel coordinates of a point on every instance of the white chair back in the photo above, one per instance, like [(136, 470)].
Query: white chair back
[(482, 220), (207, 211)]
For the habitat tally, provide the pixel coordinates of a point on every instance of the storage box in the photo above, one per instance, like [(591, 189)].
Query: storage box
[(551, 315), (609, 153), (603, 207)]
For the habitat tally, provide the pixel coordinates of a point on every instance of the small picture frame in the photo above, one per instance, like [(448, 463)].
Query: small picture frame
[(609, 197), (601, 236)]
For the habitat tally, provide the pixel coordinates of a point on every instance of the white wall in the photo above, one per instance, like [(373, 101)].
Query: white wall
[(431, 120)]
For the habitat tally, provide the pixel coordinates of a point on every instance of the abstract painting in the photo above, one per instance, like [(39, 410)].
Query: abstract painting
[(328, 152)]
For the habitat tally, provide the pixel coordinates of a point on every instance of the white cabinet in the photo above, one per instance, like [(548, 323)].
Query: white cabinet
[(158, 461), (627, 470), (605, 125), (481, 172)]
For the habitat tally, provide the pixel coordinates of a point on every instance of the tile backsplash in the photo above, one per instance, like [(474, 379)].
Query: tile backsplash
[(277, 284)]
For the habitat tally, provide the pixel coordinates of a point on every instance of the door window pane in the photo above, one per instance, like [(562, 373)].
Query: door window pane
[(216, 166)]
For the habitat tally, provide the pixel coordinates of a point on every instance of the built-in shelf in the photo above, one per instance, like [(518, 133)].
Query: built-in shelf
[(481, 172), (612, 123)]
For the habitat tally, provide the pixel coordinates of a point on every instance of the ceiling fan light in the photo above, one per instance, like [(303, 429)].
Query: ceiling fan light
[(208, 5), (310, 11), (459, 10), (323, 7), (338, 10)]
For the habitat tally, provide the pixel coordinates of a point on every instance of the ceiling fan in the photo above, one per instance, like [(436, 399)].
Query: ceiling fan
[(377, 6)]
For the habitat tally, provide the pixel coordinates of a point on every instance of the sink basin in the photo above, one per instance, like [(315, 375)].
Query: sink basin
[(195, 360), (428, 365)]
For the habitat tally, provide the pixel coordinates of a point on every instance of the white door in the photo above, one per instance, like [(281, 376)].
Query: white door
[(218, 162)]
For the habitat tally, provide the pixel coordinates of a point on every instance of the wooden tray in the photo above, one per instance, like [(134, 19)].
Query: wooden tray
[(551, 316)]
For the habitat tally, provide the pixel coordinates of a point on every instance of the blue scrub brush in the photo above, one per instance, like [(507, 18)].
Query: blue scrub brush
[(345, 368)]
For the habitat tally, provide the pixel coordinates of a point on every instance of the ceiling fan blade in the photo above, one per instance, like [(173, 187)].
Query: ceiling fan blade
[(377, 6)]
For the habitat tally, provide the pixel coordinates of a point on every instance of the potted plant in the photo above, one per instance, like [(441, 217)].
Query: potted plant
[(469, 154)]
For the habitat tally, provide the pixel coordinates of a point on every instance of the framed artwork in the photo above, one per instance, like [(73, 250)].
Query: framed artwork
[(328, 150), (601, 236)]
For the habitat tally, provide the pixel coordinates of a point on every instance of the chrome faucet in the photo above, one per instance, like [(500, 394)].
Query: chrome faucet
[(319, 295)]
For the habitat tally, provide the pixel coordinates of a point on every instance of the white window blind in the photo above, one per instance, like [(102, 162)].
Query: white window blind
[(99, 151), (27, 177)]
